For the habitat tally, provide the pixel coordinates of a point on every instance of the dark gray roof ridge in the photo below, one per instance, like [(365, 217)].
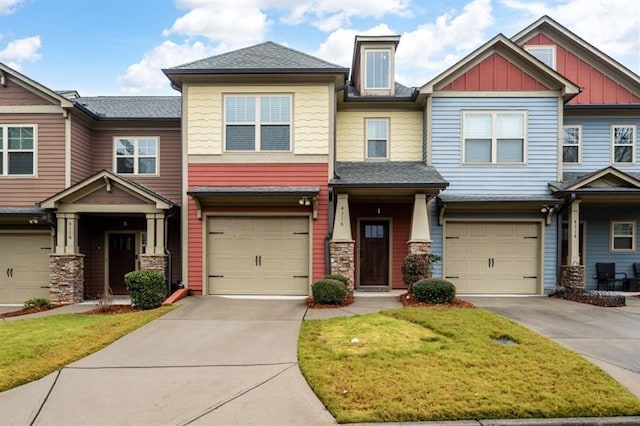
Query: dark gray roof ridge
[(131, 107)]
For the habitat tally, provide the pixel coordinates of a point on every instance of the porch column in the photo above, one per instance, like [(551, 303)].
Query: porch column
[(342, 244), (66, 264), (151, 234), (420, 236), (154, 257), (574, 234), (67, 233)]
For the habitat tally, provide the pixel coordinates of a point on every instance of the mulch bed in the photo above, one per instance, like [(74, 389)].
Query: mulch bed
[(409, 300), (313, 305), (591, 299), (112, 309), (26, 311)]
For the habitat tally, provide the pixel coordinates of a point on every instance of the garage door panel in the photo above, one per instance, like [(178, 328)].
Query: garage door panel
[(26, 256)]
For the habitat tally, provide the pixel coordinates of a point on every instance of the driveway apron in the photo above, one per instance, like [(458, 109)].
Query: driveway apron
[(211, 361), (608, 337)]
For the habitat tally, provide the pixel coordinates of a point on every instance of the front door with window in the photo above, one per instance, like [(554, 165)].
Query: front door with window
[(122, 259), (374, 253)]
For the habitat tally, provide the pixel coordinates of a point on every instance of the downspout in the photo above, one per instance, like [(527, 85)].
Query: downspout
[(168, 252)]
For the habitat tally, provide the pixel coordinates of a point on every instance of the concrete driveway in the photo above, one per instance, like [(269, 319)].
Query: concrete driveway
[(211, 361), (609, 337)]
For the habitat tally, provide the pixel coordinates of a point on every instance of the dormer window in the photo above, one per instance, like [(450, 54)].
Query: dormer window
[(377, 69), (545, 54)]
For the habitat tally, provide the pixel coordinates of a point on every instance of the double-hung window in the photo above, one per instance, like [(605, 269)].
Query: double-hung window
[(136, 155), (377, 138), (545, 54), (17, 150), (494, 137), (377, 69), (257, 122), (623, 144), (623, 236), (571, 144)]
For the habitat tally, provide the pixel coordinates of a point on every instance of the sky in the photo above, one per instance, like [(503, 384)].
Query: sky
[(118, 47)]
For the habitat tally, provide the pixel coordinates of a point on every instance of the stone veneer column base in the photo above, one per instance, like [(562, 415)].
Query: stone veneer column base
[(343, 261), (419, 247), (572, 276), (66, 273), (154, 262)]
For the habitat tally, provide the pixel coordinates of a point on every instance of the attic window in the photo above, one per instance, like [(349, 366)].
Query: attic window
[(377, 69), (545, 54)]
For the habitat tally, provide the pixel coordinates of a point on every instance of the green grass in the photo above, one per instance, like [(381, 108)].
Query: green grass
[(33, 348), (416, 364)]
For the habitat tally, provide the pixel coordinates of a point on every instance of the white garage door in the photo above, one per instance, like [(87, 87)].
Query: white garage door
[(493, 258), (24, 267), (258, 255)]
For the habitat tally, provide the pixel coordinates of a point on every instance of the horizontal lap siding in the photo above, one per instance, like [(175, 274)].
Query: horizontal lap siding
[(81, 136), (550, 260), (25, 191), (168, 182), (12, 94), (531, 178), (256, 175), (436, 238)]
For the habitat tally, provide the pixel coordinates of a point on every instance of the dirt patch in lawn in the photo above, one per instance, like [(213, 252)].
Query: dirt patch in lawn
[(409, 299), (112, 309)]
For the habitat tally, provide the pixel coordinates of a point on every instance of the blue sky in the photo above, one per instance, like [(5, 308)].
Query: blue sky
[(115, 47)]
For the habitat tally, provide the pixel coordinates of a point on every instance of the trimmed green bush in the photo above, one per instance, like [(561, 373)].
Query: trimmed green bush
[(329, 292), (146, 288), (37, 303), (434, 290), (337, 277), (414, 268)]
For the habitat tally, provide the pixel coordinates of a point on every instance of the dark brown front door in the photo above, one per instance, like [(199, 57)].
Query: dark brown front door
[(374, 253), (122, 259)]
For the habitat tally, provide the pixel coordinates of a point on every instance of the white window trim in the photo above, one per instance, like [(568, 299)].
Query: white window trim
[(529, 47), (4, 152), (366, 138), (257, 123), (494, 145), (613, 236), (579, 127), (389, 83), (135, 156), (633, 145)]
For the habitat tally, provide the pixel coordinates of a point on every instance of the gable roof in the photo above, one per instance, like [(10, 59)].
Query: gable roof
[(388, 174), (132, 107), (33, 86), (606, 180), (547, 25), (515, 54)]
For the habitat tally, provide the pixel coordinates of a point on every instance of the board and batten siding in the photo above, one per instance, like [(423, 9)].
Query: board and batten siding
[(596, 143), (405, 134), (24, 191), (311, 109), (296, 174), (542, 147), (168, 182), (81, 137)]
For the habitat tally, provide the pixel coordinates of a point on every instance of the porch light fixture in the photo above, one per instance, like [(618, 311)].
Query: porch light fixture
[(304, 201)]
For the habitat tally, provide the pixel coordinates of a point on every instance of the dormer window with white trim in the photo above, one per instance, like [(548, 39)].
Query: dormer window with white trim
[(545, 54), (377, 68)]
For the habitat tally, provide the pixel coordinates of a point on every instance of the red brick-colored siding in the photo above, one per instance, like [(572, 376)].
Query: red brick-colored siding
[(495, 73), (400, 214), (598, 87), (299, 174)]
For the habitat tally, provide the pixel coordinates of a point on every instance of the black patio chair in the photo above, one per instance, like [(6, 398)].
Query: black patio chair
[(606, 274)]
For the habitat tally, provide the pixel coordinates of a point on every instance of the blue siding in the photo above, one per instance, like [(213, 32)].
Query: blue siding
[(550, 256), (436, 239), (596, 143), (542, 157)]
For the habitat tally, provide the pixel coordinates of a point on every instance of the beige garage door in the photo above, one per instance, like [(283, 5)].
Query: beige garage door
[(24, 266), (258, 255), (493, 258)]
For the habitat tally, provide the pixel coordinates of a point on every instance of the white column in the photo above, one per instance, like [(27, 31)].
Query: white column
[(159, 233), (151, 234), (574, 233), (71, 234), (61, 235), (342, 221), (420, 228)]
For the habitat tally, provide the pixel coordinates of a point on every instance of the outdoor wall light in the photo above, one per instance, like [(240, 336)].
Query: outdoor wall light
[(304, 201)]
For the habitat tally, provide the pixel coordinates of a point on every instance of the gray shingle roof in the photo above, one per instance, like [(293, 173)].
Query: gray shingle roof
[(20, 210), (263, 57), (401, 91), (132, 107), (387, 174), (571, 178)]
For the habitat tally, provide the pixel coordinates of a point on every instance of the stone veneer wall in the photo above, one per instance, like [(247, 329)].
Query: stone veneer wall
[(343, 261), (572, 276), (67, 278), (154, 262), (419, 247)]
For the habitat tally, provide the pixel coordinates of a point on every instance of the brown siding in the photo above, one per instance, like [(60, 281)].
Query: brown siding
[(169, 182), (25, 191), (14, 94), (81, 136)]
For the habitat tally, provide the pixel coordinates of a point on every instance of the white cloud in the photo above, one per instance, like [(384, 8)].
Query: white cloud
[(20, 51), (338, 47), (146, 76), (7, 7)]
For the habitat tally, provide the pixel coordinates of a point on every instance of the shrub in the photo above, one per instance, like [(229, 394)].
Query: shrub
[(337, 277), (434, 290), (329, 292), (146, 288), (37, 303), (416, 267)]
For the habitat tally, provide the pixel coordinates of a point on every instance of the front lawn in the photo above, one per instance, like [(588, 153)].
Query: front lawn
[(35, 347), (416, 364)]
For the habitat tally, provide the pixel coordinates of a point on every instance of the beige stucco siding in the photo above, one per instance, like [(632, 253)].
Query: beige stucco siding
[(205, 121), (405, 134)]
